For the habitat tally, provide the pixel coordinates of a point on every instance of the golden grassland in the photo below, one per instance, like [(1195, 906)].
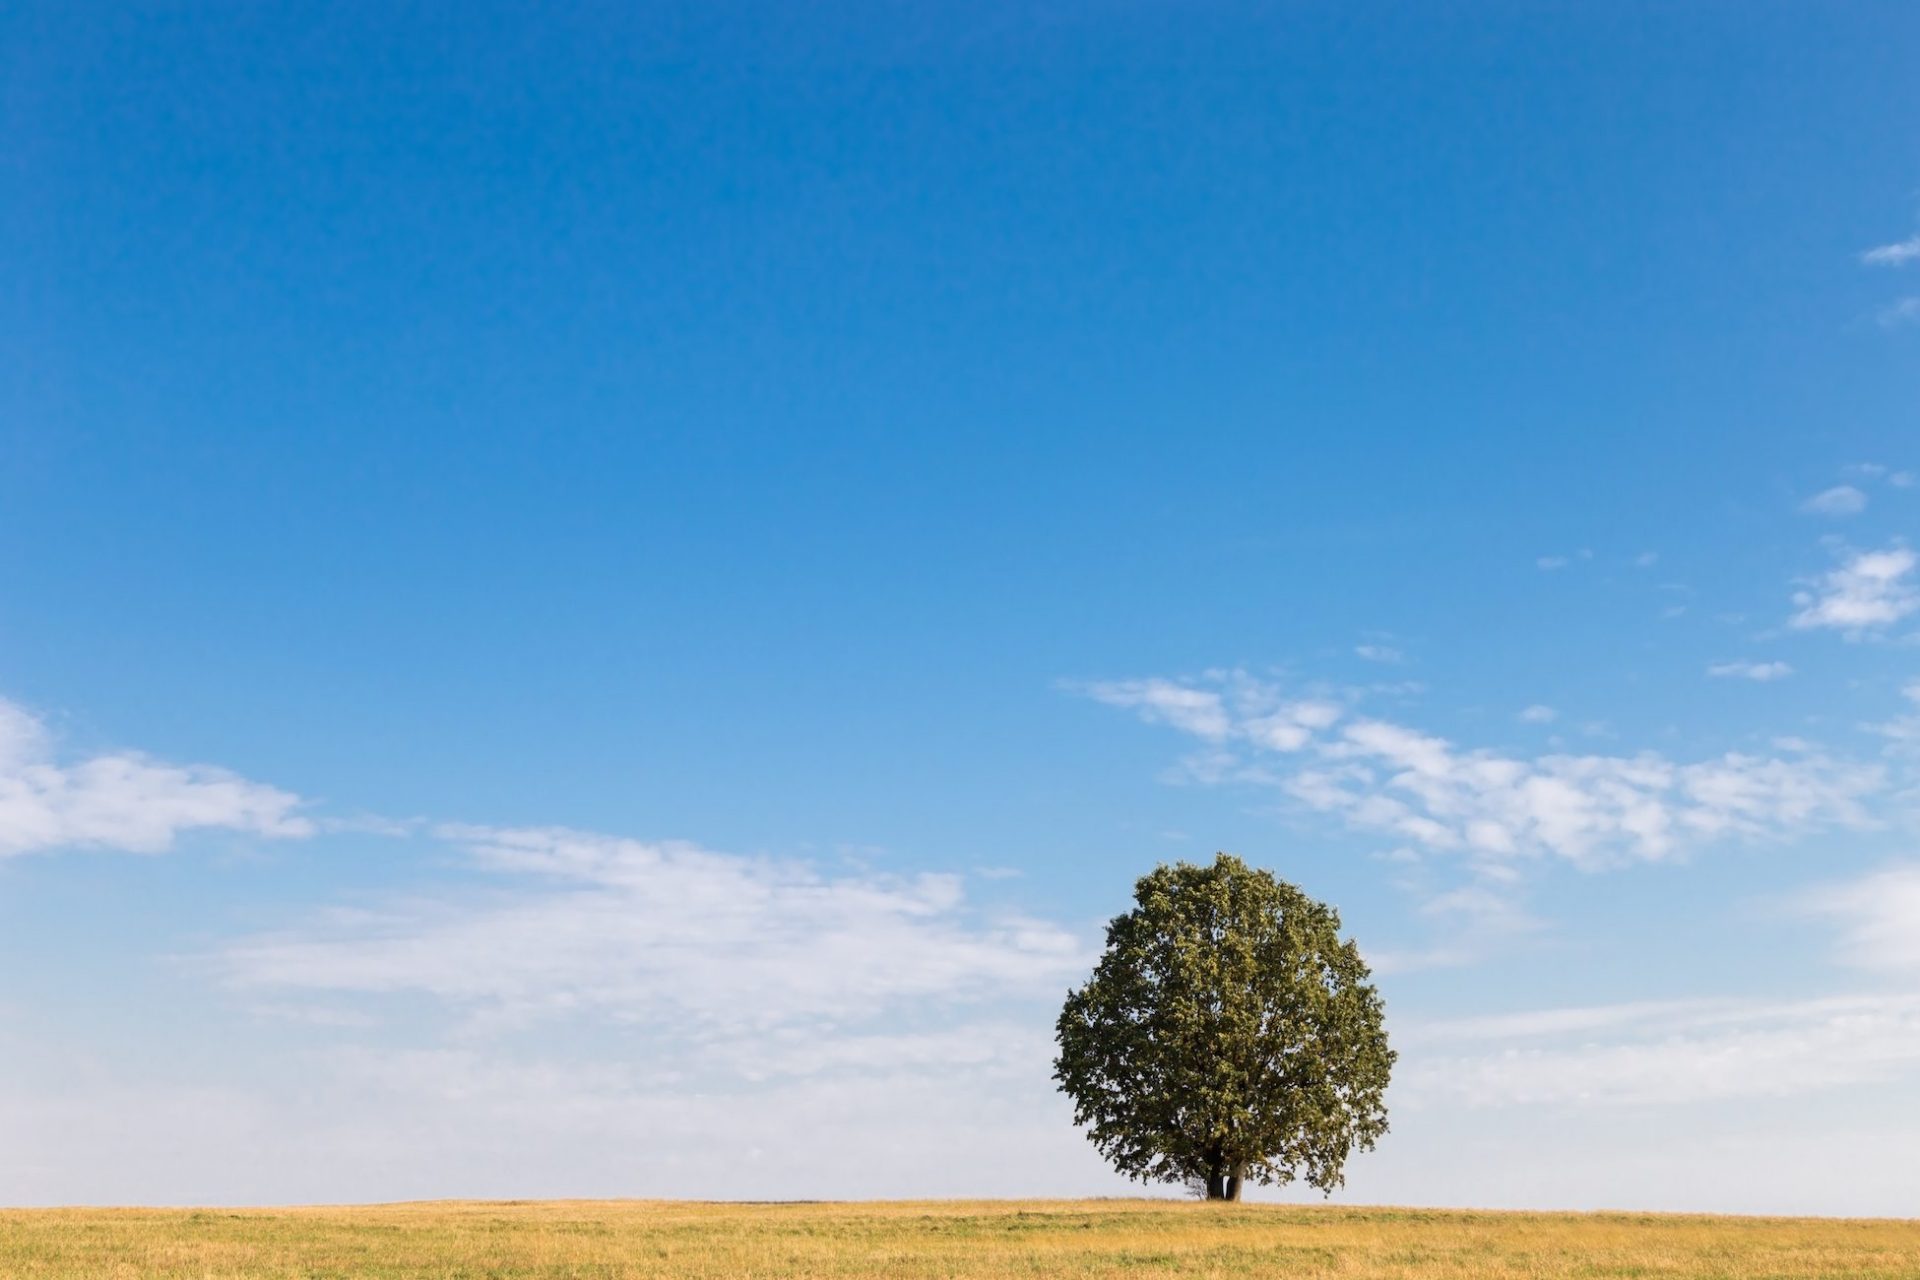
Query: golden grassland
[(521, 1240)]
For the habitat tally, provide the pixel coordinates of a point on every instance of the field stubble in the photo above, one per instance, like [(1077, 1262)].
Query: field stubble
[(600, 1240)]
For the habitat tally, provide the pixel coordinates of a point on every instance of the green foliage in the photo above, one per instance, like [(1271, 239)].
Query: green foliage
[(1227, 1034)]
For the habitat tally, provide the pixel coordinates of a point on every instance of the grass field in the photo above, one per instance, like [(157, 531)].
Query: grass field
[(1134, 1238)]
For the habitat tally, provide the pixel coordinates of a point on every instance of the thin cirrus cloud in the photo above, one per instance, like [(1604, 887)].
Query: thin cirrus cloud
[(1490, 807), (1662, 1053), (1898, 312), (1898, 254), (1701, 1050), (494, 1120), (1840, 500), (1866, 592), (729, 1012), (562, 987), (1200, 712), (1880, 471), (1902, 732), (708, 946), (1879, 915), (122, 800), (1383, 653), (1237, 707), (1759, 671)]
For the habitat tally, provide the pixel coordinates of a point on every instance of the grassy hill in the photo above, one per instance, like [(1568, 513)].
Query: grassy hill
[(1132, 1238)]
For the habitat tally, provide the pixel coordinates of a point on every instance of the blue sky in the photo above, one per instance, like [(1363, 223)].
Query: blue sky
[(604, 603)]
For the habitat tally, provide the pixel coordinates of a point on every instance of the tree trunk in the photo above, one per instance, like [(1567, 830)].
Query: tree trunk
[(1216, 1184), (1236, 1180)]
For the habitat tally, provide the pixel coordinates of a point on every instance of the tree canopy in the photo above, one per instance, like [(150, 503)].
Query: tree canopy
[(1227, 1034)]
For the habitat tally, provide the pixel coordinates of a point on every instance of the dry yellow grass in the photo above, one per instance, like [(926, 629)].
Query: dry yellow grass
[(1090, 1238)]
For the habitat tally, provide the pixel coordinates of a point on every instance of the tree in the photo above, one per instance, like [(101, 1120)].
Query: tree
[(1227, 1034)]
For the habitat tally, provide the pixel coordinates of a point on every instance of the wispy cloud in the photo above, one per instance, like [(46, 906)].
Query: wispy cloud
[(1761, 671), (1898, 254), (1588, 808), (1868, 591), (705, 947), (711, 1006), (1551, 562), (1538, 713), (1902, 732), (1197, 711), (1256, 715), (1490, 807), (1384, 653), (1879, 915), (488, 1119), (1898, 312), (1670, 1053), (122, 800), (1840, 500)]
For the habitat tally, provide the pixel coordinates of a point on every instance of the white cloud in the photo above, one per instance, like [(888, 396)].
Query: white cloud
[(1534, 1024), (1879, 915), (122, 800), (1898, 254), (1379, 776), (1539, 713), (704, 947), (726, 1013), (1222, 706), (1903, 731), (1761, 671), (1899, 312), (1586, 808), (1550, 563), (1380, 653), (1195, 711), (1646, 560), (1870, 590), (365, 1122), (1840, 500), (1671, 1053)]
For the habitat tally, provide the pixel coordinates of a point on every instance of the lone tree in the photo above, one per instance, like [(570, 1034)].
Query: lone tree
[(1227, 1034)]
